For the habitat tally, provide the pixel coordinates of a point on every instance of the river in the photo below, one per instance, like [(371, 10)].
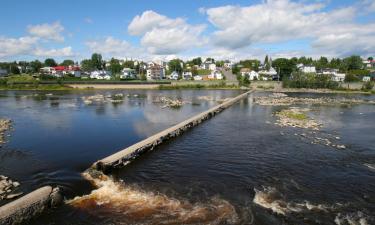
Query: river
[(236, 168)]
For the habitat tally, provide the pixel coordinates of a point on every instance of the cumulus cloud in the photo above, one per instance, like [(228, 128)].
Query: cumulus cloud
[(163, 35), (111, 46), (16, 46), (275, 21), (47, 31), (65, 52)]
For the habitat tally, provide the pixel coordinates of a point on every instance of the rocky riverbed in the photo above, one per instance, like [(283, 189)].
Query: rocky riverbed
[(283, 99), (296, 117), (8, 188), (4, 126)]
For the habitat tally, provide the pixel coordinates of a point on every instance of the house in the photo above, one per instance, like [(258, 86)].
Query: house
[(209, 65), (339, 77), (3, 72), (306, 69), (245, 71), (215, 75), (366, 78), (187, 75), (46, 70), (174, 75), (270, 74), (197, 77), (368, 63), (100, 75), (128, 73), (155, 72), (228, 65)]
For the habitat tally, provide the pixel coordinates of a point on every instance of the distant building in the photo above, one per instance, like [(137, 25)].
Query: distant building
[(100, 75), (215, 75), (187, 75), (366, 79), (306, 69), (270, 74), (209, 65), (128, 73), (251, 74), (59, 71), (155, 72), (339, 77), (197, 77), (333, 73), (173, 76)]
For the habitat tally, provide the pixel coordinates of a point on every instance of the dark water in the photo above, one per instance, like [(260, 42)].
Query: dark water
[(237, 168)]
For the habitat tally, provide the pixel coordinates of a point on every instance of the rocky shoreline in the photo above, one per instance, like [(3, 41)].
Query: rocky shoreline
[(4, 126), (8, 188)]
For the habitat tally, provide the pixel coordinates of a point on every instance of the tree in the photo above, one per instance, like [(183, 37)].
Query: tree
[(197, 61), (353, 62), (267, 63), (50, 62), (67, 62), (250, 63), (284, 66), (36, 65), (86, 65), (175, 65), (14, 69), (114, 66), (97, 61), (322, 63), (370, 58)]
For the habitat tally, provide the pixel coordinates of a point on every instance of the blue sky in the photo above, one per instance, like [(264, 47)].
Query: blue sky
[(167, 29)]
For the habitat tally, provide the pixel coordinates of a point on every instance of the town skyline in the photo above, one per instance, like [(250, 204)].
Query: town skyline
[(222, 30)]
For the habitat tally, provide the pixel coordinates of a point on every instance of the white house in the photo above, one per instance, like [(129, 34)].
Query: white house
[(306, 69), (366, 79), (215, 75), (100, 75), (173, 76), (253, 75), (209, 65), (339, 77), (187, 75), (267, 74), (197, 77), (128, 73)]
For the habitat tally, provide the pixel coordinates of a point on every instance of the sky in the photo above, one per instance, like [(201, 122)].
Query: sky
[(167, 29)]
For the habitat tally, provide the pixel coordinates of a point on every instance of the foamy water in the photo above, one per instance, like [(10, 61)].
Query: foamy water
[(130, 204), (271, 198)]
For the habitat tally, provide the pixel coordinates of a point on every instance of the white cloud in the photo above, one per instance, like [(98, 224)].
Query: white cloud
[(276, 21), (88, 20), (62, 52), (163, 35), (47, 31), (113, 47), (16, 46)]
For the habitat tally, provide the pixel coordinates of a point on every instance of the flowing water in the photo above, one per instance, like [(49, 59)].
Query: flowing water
[(236, 168)]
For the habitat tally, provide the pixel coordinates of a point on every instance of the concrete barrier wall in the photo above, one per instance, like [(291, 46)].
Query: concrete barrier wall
[(29, 206), (124, 156)]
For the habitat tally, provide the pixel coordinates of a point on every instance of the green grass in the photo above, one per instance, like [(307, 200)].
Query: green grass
[(293, 115)]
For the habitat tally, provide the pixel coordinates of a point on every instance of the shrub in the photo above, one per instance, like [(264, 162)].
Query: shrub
[(367, 86), (309, 80)]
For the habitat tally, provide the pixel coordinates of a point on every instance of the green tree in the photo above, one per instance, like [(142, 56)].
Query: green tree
[(50, 62), (370, 58), (284, 66), (114, 66), (14, 69), (36, 65), (196, 61), (267, 63), (97, 61), (67, 62), (250, 63), (175, 65), (322, 63), (353, 62), (86, 65)]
